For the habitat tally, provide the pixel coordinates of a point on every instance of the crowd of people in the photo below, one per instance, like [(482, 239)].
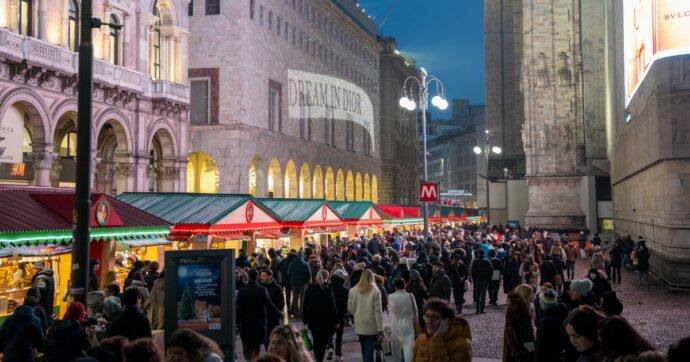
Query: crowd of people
[(555, 312)]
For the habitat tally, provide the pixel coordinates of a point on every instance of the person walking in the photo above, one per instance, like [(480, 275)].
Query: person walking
[(253, 307), (642, 254), (340, 294), (404, 321), (320, 313), (458, 276), (447, 337), (155, 305), (299, 274), (617, 252), (275, 292), (511, 271), (43, 280), (20, 334), (417, 288), (364, 303), (283, 267), (495, 283), (518, 334), (571, 257), (440, 286), (482, 271), (132, 322)]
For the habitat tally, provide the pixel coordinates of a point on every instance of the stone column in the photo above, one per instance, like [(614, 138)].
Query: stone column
[(55, 172), (171, 59), (123, 176), (42, 19), (43, 162), (169, 177), (127, 59)]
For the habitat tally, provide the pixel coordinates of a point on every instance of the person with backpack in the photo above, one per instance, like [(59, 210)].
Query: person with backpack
[(495, 283), (422, 266)]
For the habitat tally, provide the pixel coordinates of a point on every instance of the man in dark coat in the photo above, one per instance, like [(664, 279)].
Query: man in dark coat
[(550, 332), (458, 275), (299, 274), (275, 263), (423, 267), (242, 260), (283, 267), (440, 282), (495, 283), (20, 334), (548, 271), (253, 307), (376, 266), (44, 282), (94, 266), (275, 292), (132, 322), (481, 271), (374, 246), (152, 275), (340, 294)]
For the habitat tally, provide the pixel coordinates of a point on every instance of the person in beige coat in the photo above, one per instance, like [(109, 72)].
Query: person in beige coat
[(364, 303), (154, 305)]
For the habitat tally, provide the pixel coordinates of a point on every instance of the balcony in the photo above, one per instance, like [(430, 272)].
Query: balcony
[(169, 90)]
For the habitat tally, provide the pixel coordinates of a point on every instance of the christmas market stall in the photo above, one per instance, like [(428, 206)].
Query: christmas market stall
[(361, 217), (36, 232), (401, 218)]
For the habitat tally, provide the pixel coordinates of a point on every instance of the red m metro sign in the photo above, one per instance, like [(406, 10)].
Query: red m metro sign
[(428, 192)]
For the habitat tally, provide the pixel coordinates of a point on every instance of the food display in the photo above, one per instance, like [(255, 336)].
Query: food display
[(15, 280)]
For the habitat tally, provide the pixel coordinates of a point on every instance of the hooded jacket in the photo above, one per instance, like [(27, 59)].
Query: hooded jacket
[(455, 345), (283, 269), (45, 283), (340, 293), (154, 305), (66, 340), (299, 272), (20, 334)]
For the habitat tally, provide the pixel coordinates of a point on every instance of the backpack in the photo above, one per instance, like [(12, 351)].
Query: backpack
[(607, 257)]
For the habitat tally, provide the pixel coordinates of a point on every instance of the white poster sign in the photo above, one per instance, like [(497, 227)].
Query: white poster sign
[(11, 137), (312, 95)]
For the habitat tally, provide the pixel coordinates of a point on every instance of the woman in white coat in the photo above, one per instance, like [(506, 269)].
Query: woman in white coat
[(404, 309)]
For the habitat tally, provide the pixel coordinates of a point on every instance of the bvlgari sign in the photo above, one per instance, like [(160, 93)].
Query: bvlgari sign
[(314, 95)]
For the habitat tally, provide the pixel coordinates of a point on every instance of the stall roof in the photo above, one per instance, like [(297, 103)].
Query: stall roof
[(348, 210), (301, 211), (399, 212), (186, 208), (446, 211)]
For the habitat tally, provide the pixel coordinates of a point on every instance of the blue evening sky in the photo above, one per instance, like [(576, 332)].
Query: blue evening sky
[(445, 36)]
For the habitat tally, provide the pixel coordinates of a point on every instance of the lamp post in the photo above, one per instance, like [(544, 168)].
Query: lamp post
[(478, 151), (439, 100)]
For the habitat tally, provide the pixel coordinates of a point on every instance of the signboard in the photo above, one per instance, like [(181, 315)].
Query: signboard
[(313, 95), (428, 192), (653, 29), (11, 138), (200, 294)]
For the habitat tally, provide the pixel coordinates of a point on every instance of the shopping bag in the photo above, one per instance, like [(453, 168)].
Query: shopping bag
[(306, 339)]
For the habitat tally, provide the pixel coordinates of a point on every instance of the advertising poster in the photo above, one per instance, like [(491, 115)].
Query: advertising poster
[(653, 29), (199, 297), (11, 137)]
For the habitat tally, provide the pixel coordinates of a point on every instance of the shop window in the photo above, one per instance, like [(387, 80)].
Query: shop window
[(274, 106), (114, 42), (212, 7), (26, 17), (68, 146), (199, 101), (73, 26)]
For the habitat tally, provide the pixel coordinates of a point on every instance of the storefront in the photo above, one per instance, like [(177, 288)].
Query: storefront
[(361, 217), (308, 221), (39, 229), (212, 221)]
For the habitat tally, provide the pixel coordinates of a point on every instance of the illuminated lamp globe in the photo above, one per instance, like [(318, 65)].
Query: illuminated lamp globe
[(443, 105), (477, 150), (437, 101), (403, 102), (411, 105), (497, 150)]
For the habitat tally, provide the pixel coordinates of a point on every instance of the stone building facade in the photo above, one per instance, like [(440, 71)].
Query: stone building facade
[(140, 96), (650, 153), (398, 129), (245, 135)]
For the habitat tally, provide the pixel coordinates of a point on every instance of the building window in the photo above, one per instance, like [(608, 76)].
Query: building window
[(294, 32), (190, 8), (349, 136), (212, 7), (73, 26), (25, 17), (68, 146), (279, 25), (252, 5), (199, 101), (270, 20), (367, 142), (261, 15), (156, 46), (285, 33), (275, 91), (114, 42), (330, 130), (305, 127)]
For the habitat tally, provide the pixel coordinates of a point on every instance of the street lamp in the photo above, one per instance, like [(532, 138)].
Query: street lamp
[(478, 151), (438, 100)]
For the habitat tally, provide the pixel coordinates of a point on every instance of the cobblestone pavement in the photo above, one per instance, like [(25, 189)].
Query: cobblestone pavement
[(660, 316)]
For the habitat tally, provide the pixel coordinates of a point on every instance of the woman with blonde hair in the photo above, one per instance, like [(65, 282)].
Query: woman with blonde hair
[(320, 313), (108, 278), (518, 334), (286, 343), (364, 303)]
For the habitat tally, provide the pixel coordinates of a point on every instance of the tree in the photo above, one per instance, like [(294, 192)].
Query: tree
[(185, 310)]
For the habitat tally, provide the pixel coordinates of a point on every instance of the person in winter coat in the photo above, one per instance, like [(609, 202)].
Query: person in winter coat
[(315, 266), (548, 271), (364, 303), (417, 288), (283, 267), (340, 294), (571, 258), (511, 271), (253, 308), (20, 334), (616, 252), (600, 284), (404, 321), (67, 338), (43, 280), (152, 275), (424, 268), (642, 254), (440, 286), (320, 313), (447, 338), (94, 281), (518, 334), (482, 271), (276, 258), (382, 288), (242, 260), (299, 275), (357, 273), (155, 304), (458, 275), (581, 326), (598, 261), (275, 292), (580, 293), (550, 333), (132, 322), (402, 270), (139, 283), (40, 313), (495, 283)]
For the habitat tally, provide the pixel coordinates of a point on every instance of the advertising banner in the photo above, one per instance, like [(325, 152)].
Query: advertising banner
[(313, 95), (653, 29), (11, 137)]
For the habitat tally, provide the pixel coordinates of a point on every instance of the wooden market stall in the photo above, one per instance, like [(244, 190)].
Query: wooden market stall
[(401, 218), (37, 227), (361, 217)]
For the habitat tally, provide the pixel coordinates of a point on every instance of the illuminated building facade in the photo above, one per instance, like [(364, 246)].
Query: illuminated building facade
[(141, 97)]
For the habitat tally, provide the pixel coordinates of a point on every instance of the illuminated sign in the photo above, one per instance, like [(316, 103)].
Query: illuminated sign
[(653, 29), (314, 95), (428, 192)]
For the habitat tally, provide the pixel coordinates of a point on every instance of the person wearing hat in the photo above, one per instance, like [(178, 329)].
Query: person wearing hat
[(43, 280), (550, 332), (600, 284), (580, 293), (402, 270)]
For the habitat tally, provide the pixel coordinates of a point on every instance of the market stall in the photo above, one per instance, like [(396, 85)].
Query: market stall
[(38, 229), (307, 220), (361, 217), (401, 218), (211, 221)]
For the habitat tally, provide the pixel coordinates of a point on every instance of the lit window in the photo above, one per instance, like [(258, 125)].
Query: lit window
[(25, 17), (114, 42), (68, 146), (73, 26)]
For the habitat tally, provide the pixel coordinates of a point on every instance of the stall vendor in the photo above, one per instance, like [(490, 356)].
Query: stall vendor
[(21, 278)]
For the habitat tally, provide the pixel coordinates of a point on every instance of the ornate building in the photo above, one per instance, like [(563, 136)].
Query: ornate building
[(400, 150), (285, 99), (140, 93)]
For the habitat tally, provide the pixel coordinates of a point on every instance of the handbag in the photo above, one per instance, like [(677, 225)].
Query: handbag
[(417, 327), (306, 339), (383, 343)]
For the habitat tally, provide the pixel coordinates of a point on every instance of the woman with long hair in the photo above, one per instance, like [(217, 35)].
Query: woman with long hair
[(286, 343), (618, 339), (364, 303), (417, 288), (108, 278), (529, 272), (404, 321), (189, 346), (581, 328), (518, 334), (320, 313)]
